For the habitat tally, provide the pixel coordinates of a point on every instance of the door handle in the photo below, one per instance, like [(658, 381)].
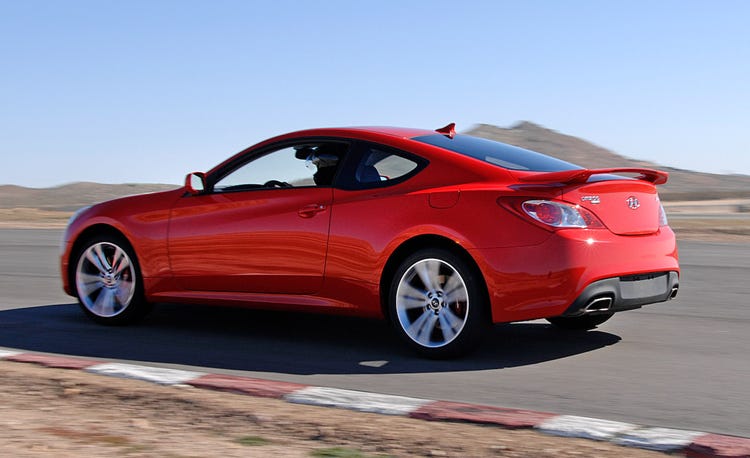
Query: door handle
[(308, 211)]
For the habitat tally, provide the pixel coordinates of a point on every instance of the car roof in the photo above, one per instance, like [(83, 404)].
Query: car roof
[(400, 132), (371, 133)]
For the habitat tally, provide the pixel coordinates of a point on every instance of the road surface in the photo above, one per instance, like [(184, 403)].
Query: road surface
[(683, 364)]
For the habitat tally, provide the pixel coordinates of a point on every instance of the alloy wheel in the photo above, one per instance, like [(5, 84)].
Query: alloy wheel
[(432, 303), (105, 279)]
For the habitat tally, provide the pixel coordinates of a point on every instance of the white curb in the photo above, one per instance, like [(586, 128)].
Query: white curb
[(8, 353), (159, 375), (356, 400), (589, 428), (659, 439)]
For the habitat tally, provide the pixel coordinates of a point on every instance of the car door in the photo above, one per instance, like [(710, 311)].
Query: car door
[(261, 227)]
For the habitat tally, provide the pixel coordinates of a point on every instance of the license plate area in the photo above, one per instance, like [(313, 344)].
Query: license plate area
[(641, 286)]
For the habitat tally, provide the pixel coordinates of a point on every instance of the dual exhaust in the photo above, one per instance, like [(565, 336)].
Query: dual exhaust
[(599, 304), (604, 303)]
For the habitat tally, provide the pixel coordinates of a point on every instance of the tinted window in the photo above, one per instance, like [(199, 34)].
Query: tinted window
[(306, 164), (380, 165), (500, 154)]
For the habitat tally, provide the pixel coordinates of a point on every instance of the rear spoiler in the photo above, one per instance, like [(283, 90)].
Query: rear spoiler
[(582, 175)]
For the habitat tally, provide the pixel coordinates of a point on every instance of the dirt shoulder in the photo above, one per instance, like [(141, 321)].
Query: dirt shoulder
[(33, 218), (56, 412), (712, 229)]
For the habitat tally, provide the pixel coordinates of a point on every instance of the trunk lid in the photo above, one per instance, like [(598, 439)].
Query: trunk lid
[(627, 206)]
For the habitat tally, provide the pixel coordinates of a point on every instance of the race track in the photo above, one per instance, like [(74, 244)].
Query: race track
[(683, 364)]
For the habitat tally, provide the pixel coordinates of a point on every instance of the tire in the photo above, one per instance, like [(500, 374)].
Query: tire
[(108, 281), (580, 323), (437, 304)]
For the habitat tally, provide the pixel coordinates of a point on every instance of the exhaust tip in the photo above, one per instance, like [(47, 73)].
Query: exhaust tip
[(599, 304), (673, 293)]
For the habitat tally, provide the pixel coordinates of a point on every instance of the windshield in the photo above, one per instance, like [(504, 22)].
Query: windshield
[(500, 154)]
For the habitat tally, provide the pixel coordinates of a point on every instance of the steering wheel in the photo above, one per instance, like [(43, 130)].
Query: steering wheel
[(276, 184)]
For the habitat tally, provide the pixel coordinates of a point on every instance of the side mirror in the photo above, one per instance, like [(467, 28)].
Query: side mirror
[(195, 183)]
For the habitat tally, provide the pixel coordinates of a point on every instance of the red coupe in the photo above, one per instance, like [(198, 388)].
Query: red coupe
[(443, 234)]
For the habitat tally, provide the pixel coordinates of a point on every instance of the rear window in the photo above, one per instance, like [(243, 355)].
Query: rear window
[(500, 154)]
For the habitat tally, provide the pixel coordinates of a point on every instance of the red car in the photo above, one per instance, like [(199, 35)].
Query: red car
[(442, 234)]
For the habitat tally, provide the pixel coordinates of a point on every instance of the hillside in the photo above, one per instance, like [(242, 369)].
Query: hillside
[(69, 197), (682, 185)]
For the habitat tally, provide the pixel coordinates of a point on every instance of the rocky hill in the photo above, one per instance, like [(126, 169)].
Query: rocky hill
[(682, 185), (69, 197)]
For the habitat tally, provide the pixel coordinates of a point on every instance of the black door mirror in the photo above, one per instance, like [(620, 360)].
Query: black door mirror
[(195, 183)]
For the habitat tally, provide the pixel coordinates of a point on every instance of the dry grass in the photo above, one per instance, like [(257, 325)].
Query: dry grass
[(62, 413), (28, 218), (712, 229)]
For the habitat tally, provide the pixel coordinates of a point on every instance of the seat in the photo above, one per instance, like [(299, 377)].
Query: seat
[(367, 174), (324, 175)]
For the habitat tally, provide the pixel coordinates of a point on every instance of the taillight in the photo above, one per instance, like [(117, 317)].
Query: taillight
[(558, 214), (662, 215)]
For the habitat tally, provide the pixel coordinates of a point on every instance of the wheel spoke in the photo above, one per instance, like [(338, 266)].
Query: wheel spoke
[(87, 288), (413, 328), (405, 289), (120, 262), (124, 290), (409, 303), (104, 304), (410, 297), (425, 331), (445, 326), (454, 322), (428, 272), (93, 258), (102, 257), (421, 329), (455, 290), (88, 279)]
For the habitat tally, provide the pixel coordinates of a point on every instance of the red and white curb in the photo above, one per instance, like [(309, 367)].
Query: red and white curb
[(693, 444), (356, 400)]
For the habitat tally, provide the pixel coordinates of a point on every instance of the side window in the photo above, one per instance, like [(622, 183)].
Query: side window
[(308, 164), (380, 165)]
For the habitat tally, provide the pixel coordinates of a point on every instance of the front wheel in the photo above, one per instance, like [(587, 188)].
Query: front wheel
[(437, 303), (108, 282)]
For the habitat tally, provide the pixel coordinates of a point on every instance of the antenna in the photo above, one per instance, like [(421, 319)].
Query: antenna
[(449, 130)]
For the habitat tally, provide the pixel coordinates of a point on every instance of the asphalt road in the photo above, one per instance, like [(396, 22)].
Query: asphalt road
[(682, 364)]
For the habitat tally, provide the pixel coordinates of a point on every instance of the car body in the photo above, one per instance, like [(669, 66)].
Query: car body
[(441, 233)]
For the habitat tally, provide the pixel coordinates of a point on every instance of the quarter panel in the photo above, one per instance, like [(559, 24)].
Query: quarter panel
[(367, 226)]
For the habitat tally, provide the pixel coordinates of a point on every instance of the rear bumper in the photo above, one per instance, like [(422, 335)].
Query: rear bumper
[(625, 293), (573, 267)]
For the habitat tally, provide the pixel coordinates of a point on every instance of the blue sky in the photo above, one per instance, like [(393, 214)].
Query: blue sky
[(146, 91)]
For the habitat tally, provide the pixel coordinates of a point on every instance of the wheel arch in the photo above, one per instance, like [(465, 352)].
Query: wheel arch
[(420, 242)]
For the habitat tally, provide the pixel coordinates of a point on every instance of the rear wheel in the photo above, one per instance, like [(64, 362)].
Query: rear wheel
[(580, 323), (108, 282), (437, 304)]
